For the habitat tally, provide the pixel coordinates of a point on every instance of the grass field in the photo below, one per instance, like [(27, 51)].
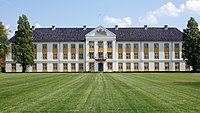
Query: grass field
[(98, 92)]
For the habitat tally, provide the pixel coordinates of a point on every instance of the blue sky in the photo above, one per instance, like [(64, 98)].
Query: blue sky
[(76, 13)]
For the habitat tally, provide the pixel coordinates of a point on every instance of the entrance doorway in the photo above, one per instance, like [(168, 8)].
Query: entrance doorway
[(100, 67)]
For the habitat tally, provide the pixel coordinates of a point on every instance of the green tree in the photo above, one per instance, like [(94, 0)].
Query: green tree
[(23, 45), (4, 43), (191, 44)]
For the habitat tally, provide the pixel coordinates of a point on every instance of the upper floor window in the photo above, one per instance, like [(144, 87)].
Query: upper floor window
[(176, 45), (100, 44), (91, 44), (55, 46), (156, 45), (91, 55), (80, 46), (128, 56), (146, 45), (166, 55), (73, 56), (65, 46), (120, 46), (146, 55), (120, 56), (35, 46), (166, 45), (135, 45), (109, 55), (73, 46), (44, 46), (128, 46), (109, 44), (156, 55), (135, 55), (100, 54)]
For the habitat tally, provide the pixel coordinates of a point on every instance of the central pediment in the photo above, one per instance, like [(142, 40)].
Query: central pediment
[(100, 32)]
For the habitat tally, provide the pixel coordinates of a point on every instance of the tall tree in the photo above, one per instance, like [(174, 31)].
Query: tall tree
[(4, 43), (191, 44), (23, 45)]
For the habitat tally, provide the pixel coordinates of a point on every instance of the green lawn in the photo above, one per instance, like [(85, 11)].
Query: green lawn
[(98, 92)]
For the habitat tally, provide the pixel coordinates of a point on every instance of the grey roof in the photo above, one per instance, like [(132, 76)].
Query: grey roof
[(123, 34)]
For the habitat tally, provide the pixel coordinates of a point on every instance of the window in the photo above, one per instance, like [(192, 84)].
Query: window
[(91, 66), (166, 45), (128, 56), (73, 66), (73, 46), (100, 54), (166, 55), (177, 55), (109, 55), (34, 66), (128, 46), (65, 56), (120, 46), (65, 66), (156, 45), (146, 46), (156, 55), (120, 66), (73, 56), (135, 55), (166, 66), (176, 45), (13, 66), (146, 55), (146, 66), (44, 66), (80, 55), (136, 67), (177, 66), (100, 44), (35, 55), (120, 56), (156, 66), (55, 56), (110, 65), (135, 46), (109, 44), (187, 66), (80, 46), (44, 46), (80, 66), (91, 55), (128, 66), (55, 46), (35, 46), (65, 46), (44, 55), (55, 66), (91, 44)]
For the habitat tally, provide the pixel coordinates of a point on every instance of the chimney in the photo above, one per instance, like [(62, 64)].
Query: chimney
[(33, 28), (166, 27), (116, 27), (84, 27), (145, 27), (53, 27)]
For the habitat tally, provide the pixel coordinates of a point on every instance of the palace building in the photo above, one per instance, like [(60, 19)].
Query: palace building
[(104, 50)]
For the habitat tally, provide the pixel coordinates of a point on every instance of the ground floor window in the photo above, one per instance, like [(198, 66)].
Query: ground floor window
[(44, 66), (128, 66), (91, 66), (65, 66), (177, 66), (80, 66), (13, 66), (110, 66), (136, 66), (166, 66), (156, 66), (55, 66), (73, 66), (146, 66), (120, 66), (187, 66), (34, 67)]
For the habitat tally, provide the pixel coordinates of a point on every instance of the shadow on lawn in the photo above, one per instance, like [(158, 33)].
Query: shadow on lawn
[(188, 83)]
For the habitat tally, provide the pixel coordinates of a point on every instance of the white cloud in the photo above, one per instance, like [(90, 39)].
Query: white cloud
[(191, 6), (37, 25), (168, 9), (124, 22)]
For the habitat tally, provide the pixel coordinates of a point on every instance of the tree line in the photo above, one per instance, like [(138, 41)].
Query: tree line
[(24, 52)]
